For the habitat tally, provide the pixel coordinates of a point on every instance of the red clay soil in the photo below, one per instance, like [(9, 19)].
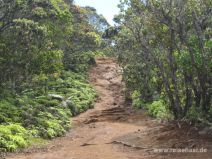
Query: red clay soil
[(113, 130)]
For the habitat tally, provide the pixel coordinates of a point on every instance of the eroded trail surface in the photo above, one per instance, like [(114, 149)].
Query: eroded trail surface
[(112, 130)]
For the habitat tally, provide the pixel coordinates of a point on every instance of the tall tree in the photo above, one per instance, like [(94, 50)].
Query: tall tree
[(168, 42)]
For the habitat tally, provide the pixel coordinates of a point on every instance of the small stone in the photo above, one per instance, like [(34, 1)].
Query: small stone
[(64, 104), (57, 97)]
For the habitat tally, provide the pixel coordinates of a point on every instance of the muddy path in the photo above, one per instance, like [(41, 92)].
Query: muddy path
[(113, 130)]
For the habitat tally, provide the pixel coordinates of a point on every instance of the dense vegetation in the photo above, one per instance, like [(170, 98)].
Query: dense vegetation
[(165, 49), (46, 48)]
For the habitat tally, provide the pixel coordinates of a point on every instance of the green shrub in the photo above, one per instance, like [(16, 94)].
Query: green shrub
[(84, 61), (9, 112), (50, 128), (79, 91), (12, 137), (99, 54), (48, 103), (136, 100), (158, 109), (42, 116)]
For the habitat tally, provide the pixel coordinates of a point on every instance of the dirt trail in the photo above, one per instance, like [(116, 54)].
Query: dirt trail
[(112, 130)]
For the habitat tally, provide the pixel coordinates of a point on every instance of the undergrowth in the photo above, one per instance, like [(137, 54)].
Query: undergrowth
[(34, 114), (158, 108)]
